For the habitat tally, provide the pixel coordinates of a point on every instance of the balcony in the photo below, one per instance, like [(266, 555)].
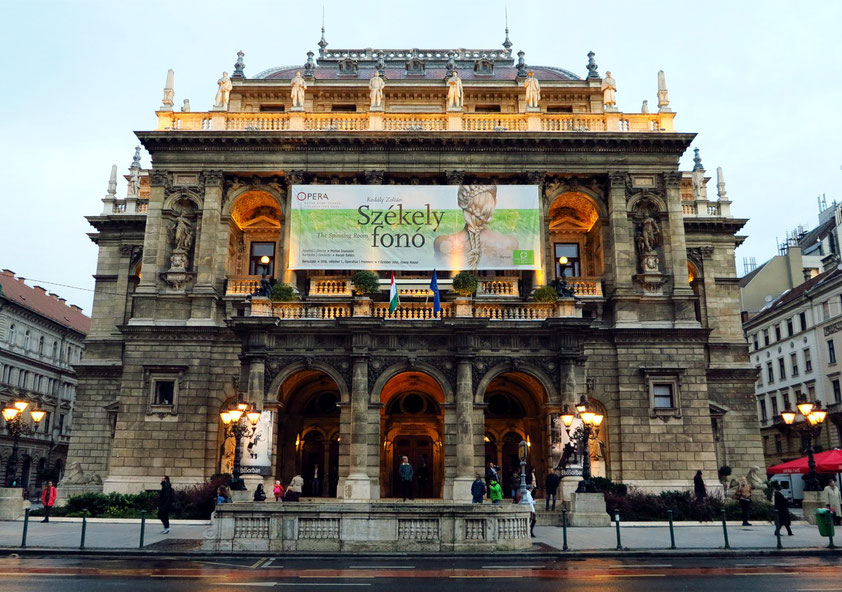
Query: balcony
[(452, 121)]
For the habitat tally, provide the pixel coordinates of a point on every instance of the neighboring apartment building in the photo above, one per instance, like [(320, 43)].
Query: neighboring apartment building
[(41, 337)]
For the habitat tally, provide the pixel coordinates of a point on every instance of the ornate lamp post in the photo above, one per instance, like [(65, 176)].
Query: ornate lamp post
[(582, 435), (238, 420), (13, 414), (523, 452), (810, 430)]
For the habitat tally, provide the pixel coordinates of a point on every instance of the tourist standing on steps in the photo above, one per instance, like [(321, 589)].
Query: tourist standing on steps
[(316, 483), (165, 504), (490, 474), (293, 493), (551, 483), (278, 491), (259, 494), (782, 507), (496, 492), (699, 486), (477, 490), (743, 496), (48, 498), (514, 485), (831, 498), (405, 473)]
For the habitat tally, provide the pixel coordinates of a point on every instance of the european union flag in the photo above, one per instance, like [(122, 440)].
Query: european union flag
[(434, 286)]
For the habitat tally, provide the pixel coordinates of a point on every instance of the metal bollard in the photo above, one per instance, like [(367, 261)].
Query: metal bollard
[(830, 543), (778, 529), (84, 528), (564, 529), (672, 532), (725, 530), (25, 527), (142, 527), (617, 524)]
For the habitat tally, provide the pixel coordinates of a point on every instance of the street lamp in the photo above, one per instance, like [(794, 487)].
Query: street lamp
[(523, 452), (560, 285), (582, 435), (15, 425), (238, 420), (810, 430)]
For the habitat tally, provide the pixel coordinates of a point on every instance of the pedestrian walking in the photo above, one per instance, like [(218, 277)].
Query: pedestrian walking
[(316, 483), (551, 483), (496, 492), (165, 502), (782, 506), (514, 485), (278, 491), (831, 499), (293, 493), (48, 499), (743, 495), (533, 518), (259, 494), (699, 486), (490, 474), (405, 473), (477, 490)]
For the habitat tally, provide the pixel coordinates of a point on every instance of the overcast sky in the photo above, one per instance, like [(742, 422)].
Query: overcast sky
[(759, 81)]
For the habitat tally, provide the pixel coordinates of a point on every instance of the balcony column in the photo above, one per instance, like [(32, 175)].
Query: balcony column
[(465, 461), (684, 310), (357, 483)]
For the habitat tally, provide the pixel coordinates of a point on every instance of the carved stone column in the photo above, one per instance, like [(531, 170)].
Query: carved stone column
[(357, 483), (620, 264), (154, 241), (208, 236), (464, 432), (685, 315)]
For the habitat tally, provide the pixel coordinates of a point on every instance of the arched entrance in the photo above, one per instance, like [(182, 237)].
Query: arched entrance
[(514, 413), (412, 425), (308, 432)]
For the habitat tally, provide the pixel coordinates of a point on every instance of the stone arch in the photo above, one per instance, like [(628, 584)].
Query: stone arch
[(234, 195), (397, 368), (579, 199), (274, 389), (254, 221), (182, 195), (642, 197), (550, 390), (575, 223)]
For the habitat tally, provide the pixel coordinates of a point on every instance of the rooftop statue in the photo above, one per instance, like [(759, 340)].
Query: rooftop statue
[(225, 86), (454, 92), (533, 91), (375, 86), (169, 91), (299, 85), (663, 99), (609, 90)]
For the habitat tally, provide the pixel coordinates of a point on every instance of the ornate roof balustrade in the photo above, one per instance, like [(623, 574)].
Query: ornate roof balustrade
[(452, 121)]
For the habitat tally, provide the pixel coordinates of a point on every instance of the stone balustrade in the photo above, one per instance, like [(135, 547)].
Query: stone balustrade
[(585, 287), (242, 285), (706, 209), (330, 287), (498, 287), (409, 311), (451, 121)]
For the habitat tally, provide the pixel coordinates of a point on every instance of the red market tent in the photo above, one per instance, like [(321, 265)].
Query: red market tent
[(829, 461)]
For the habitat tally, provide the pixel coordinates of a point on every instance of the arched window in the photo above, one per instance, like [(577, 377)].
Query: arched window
[(12, 334), (41, 345), (26, 339), (55, 350)]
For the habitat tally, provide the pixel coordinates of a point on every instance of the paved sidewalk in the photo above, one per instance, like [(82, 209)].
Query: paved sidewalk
[(185, 536)]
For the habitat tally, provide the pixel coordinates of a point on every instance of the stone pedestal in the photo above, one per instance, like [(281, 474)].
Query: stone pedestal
[(243, 495), (463, 307), (357, 487), (812, 502), (462, 489), (12, 503), (588, 509), (362, 306), (65, 492)]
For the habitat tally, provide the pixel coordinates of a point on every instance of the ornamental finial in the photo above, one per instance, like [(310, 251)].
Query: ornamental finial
[(592, 67)]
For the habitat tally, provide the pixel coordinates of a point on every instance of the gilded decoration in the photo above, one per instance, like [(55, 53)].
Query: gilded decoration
[(256, 207), (572, 211)]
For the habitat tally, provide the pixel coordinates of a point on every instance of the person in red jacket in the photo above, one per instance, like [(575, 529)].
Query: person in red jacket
[(48, 498)]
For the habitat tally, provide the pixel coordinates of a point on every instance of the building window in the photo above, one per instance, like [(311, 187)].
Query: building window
[(262, 259), (811, 393), (786, 399), (756, 342), (789, 327), (571, 251), (778, 444), (664, 385), (802, 317), (662, 396), (770, 372), (759, 376), (774, 405), (55, 350), (27, 337), (837, 393), (825, 310), (41, 346), (164, 385), (831, 351), (766, 336), (12, 331), (808, 361), (777, 332), (793, 359), (46, 422), (61, 424), (781, 368), (164, 392), (763, 415)]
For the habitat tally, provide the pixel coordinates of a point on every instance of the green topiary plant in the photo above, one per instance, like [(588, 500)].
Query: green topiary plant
[(366, 282), (545, 294), (282, 292), (465, 283)]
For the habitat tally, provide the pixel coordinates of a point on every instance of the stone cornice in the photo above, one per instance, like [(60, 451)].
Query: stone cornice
[(718, 225)]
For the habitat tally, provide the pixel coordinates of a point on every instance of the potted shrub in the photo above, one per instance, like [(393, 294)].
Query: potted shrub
[(282, 292), (366, 282), (546, 294), (465, 283)]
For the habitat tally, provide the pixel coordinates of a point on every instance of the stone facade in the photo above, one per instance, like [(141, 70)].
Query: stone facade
[(352, 387)]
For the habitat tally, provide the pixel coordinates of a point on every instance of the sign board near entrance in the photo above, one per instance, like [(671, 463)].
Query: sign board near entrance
[(414, 227), (254, 449)]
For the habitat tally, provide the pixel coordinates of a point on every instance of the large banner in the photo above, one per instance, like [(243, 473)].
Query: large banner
[(415, 227)]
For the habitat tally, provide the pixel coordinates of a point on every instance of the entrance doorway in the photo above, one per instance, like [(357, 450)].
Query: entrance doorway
[(419, 451)]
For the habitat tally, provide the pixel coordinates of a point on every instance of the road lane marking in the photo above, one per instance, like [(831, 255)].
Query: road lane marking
[(514, 567), (322, 584), (485, 577), (323, 576), (648, 566), (257, 563), (255, 584), (769, 573), (381, 567), (654, 575)]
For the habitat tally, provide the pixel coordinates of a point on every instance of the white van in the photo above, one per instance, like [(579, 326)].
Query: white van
[(792, 487)]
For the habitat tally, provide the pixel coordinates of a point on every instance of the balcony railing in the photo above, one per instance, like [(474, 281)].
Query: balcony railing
[(451, 121)]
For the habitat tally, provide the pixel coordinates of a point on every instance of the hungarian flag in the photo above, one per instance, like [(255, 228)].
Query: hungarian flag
[(393, 295), (434, 287)]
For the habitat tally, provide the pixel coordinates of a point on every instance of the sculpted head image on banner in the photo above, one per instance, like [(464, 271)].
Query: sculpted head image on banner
[(415, 227)]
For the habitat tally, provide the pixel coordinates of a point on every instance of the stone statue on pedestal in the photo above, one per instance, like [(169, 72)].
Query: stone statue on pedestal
[(375, 86), (225, 86), (644, 108), (533, 91), (454, 91), (609, 90), (185, 107), (646, 241), (299, 85)]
